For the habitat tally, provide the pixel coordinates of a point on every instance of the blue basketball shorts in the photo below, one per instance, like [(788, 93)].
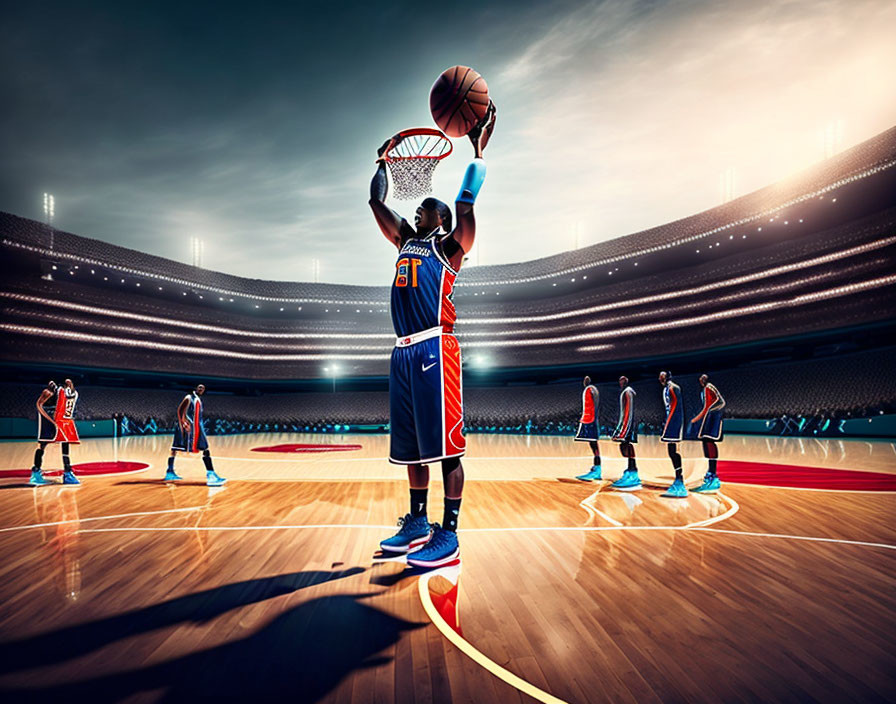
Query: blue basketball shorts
[(426, 415)]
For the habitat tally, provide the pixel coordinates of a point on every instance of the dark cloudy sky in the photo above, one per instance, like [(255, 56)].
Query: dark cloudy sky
[(254, 126)]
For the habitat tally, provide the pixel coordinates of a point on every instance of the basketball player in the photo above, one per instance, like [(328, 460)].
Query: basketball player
[(626, 434), (425, 391), (710, 432), (58, 428), (673, 432), (189, 436), (589, 428)]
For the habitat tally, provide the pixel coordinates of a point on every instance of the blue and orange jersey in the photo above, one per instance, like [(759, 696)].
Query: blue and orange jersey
[(626, 412), (65, 404), (712, 400), (672, 399), (193, 411), (422, 288), (589, 402)]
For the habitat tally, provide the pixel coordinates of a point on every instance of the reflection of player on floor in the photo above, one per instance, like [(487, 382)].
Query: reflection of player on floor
[(425, 392), (673, 432), (189, 436), (710, 432), (626, 433), (589, 428), (58, 428)]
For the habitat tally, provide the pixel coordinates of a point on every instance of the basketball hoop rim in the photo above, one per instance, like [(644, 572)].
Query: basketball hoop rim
[(422, 132)]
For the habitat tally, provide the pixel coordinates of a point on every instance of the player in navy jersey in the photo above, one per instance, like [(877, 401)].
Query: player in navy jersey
[(626, 434), (58, 427), (673, 432), (189, 436), (589, 428), (425, 390), (709, 433)]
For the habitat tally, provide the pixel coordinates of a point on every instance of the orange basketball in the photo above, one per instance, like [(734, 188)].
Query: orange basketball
[(458, 100)]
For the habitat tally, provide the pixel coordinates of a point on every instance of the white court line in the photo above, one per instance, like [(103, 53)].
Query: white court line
[(521, 529), (174, 529), (471, 652), (798, 537), (101, 518), (588, 504), (466, 458)]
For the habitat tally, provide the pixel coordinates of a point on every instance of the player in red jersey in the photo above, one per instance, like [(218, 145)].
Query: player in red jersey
[(60, 427), (589, 428)]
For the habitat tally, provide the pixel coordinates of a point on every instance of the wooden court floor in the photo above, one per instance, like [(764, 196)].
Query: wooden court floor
[(128, 589)]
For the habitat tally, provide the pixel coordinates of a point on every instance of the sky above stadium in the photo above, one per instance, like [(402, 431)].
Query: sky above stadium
[(254, 127)]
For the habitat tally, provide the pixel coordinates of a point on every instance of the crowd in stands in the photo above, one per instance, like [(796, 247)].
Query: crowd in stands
[(806, 397)]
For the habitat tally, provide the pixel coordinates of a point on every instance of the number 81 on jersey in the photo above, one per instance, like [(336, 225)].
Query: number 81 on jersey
[(406, 268)]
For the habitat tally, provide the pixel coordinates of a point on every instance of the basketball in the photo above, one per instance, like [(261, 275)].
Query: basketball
[(458, 100)]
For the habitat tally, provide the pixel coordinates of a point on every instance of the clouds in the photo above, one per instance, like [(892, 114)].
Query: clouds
[(257, 131)]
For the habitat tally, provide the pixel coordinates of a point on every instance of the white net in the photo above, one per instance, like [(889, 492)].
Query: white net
[(413, 160), (412, 178)]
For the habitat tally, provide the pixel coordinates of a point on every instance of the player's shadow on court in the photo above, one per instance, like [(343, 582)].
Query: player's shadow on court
[(199, 607), (299, 656)]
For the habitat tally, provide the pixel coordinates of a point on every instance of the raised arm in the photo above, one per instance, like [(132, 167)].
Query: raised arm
[(460, 242), (392, 225)]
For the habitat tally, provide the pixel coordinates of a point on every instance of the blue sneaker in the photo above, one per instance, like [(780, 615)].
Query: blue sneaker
[(412, 535), (172, 476), (37, 479), (212, 479), (710, 485), (70, 478), (629, 481), (441, 549), (677, 491), (590, 476)]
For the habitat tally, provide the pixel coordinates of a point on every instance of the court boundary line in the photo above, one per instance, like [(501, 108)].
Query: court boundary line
[(474, 653), (519, 529)]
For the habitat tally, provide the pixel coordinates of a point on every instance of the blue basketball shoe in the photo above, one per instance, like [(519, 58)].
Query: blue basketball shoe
[(172, 476), (413, 532), (590, 476), (710, 485), (70, 478), (212, 479), (37, 479), (677, 491), (629, 481), (441, 549)]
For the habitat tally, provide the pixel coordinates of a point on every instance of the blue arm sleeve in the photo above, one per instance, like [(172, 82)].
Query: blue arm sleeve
[(472, 182)]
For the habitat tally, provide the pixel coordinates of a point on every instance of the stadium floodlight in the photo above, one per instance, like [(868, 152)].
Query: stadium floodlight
[(49, 214), (332, 371)]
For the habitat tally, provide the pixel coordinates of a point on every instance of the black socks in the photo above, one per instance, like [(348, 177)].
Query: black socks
[(452, 511), (38, 458), (418, 502), (712, 467), (170, 464)]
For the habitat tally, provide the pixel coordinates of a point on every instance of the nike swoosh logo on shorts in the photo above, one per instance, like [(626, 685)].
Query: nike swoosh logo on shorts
[(427, 368)]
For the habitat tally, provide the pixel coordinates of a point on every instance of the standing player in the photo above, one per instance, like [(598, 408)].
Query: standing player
[(425, 391), (626, 433), (589, 428), (189, 436), (673, 432), (710, 432), (58, 428)]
